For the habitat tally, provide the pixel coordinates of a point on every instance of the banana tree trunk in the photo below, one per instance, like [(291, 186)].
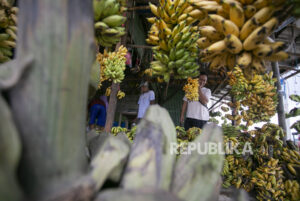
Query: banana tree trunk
[(49, 103)]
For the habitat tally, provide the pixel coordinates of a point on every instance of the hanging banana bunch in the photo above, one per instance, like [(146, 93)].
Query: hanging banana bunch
[(112, 65), (8, 33), (174, 38), (120, 94), (235, 33), (257, 95), (108, 15), (191, 89)]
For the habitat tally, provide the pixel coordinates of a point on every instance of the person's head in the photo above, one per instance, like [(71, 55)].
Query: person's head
[(144, 87), (202, 79)]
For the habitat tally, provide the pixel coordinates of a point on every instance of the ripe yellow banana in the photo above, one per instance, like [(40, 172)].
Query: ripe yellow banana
[(259, 34), (236, 14), (210, 32), (215, 48), (233, 43), (230, 28), (203, 42), (216, 21), (249, 11), (279, 56), (244, 59)]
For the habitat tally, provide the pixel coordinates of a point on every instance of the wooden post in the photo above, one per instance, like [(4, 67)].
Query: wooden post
[(280, 106), (112, 105), (49, 102)]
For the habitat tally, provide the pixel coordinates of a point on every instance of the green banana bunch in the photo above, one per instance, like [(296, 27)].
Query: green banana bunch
[(174, 38), (112, 65), (108, 21), (8, 33)]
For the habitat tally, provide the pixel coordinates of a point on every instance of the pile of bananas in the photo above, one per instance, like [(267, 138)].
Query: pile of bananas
[(116, 130), (269, 171), (112, 65), (191, 89), (235, 32), (187, 136), (129, 133), (258, 95), (108, 21), (8, 30), (268, 181), (294, 113), (292, 189), (174, 38)]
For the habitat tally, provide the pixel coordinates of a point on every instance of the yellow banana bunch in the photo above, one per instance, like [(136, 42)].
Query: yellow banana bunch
[(258, 95), (174, 38), (131, 134), (292, 189), (120, 94), (8, 33), (116, 130), (108, 91), (236, 31), (191, 89), (268, 171), (108, 16), (268, 181), (112, 65)]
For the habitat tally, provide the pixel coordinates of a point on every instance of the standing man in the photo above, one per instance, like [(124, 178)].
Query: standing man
[(197, 113), (146, 98)]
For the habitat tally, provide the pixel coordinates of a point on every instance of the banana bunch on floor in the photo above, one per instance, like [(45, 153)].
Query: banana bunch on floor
[(174, 38), (235, 32), (116, 130), (131, 134), (112, 65), (191, 89), (268, 181), (108, 15), (8, 30), (257, 95), (270, 171), (292, 189), (236, 168)]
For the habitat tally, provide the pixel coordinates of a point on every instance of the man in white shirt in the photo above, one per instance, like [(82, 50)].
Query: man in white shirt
[(146, 99), (197, 113)]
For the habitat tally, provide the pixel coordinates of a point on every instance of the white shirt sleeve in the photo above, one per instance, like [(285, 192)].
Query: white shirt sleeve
[(151, 96), (184, 98), (207, 93)]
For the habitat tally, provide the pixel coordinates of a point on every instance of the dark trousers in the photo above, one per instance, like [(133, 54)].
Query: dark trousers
[(189, 123)]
